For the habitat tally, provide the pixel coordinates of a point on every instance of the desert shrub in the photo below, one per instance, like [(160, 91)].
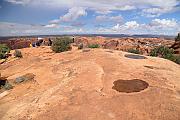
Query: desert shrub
[(18, 54), (24, 78), (61, 44), (177, 59), (166, 53), (173, 58), (7, 86), (4, 49), (135, 51), (93, 46), (80, 46), (178, 37), (161, 51)]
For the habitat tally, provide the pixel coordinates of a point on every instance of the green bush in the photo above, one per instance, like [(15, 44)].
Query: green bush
[(93, 46), (166, 53), (4, 49), (177, 59), (178, 37), (135, 51), (161, 51), (174, 58), (18, 54), (61, 44), (7, 86)]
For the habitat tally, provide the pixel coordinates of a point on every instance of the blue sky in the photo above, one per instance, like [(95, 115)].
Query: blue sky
[(48, 17)]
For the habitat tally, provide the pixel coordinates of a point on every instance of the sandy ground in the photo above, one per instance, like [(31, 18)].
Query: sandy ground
[(78, 85)]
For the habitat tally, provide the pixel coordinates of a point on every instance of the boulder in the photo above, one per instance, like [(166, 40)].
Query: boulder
[(112, 44), (176, 47), (26, 77)]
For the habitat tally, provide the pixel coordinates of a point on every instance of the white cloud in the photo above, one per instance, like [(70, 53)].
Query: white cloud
[(105, 18), (16, 29), (156, 26), (51, 26), (149, 7), (127, 7), (131, 25), (55, 21), (73, 14), (155, 12), (102, 11), (7, 29), (116, 27), (22, 2), (126, 26), (78, 24), (164, 23)]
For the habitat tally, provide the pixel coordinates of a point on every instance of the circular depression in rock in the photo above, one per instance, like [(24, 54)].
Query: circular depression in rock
[(135, 56), (129, 86)]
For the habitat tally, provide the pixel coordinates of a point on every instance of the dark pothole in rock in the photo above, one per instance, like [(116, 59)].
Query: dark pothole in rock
[(150, 67), (129, 86), (109, 51), (135, 56)]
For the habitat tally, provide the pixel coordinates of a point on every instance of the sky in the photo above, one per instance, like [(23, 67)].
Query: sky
[(55, 17)]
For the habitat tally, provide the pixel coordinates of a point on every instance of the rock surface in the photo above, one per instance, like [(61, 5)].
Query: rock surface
[(144, 45), (78, 85), (176, 47)]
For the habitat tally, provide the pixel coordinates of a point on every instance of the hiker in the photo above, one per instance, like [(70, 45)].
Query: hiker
[(30, 45), (33, 44), (73, 38), (49, 42), (37, 43)]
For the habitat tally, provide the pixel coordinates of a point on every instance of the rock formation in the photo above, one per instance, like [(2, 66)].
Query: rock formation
[(98, 84), (176, 47)]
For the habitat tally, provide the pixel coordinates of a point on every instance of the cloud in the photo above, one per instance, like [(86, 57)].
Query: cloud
[(156, 12), (51, 26), (131, 25), (126, 26), (163, 23), (149, 7), (105, 18), (16, 29), (73, 14), (78, 24), (126, 7), (22, 2), (156, 26), (55, 21)]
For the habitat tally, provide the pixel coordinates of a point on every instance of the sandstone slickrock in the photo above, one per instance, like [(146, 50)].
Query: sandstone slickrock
[(144, 45), (78, 86)]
